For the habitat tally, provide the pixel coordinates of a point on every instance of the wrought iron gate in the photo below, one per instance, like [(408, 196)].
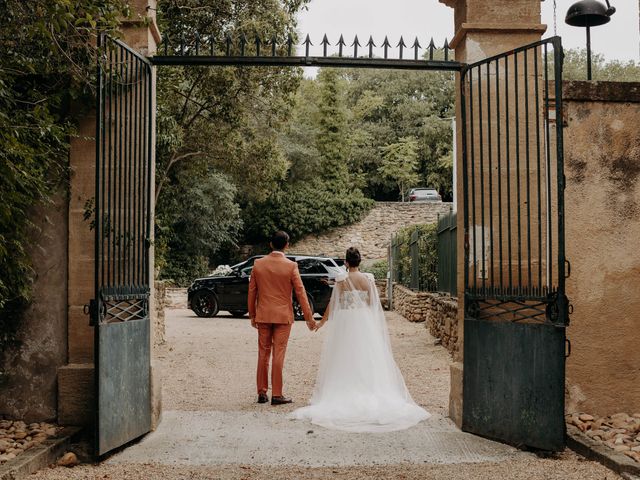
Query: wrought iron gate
[(120, 310), (516, 310)]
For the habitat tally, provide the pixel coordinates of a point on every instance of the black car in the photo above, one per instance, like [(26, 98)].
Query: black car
[(207, 296)]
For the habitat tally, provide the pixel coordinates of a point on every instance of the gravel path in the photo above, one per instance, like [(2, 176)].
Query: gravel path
[(213, 429), (209, 364)]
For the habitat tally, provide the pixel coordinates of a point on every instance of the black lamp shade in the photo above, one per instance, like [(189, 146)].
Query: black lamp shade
[(587, 13)]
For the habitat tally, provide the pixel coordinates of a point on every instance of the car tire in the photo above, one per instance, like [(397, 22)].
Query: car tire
[(297, 309), (237, 313), (205, 304)]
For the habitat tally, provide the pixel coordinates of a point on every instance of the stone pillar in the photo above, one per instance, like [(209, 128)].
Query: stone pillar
[(76, 379), (482, 29)]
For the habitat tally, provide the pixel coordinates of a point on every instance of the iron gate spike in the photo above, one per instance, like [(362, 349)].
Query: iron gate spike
[(402, 45), (341, 43), (446, 50), (274, 41), (182, 44), (386, 46), (258, 42), (165, 40), (289, 44), (324, 43), (243, 43), (355, 45), (431, 47), (371, 44), (197, 37), (307, 43), (416, 47), (228, 42), (212, 45)]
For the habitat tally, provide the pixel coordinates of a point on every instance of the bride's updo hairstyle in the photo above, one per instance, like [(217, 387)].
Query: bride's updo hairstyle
[(353, 257)]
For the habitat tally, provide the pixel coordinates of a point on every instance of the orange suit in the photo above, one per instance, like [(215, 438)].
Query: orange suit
[(273, 279)]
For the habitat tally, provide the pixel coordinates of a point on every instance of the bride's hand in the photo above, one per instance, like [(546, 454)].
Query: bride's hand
[(321, 324)]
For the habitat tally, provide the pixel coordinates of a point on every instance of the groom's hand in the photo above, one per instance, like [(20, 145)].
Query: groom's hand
[(311, 325), (253, 323)]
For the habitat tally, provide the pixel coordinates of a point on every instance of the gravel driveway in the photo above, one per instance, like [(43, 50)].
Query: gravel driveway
[(213, 429)]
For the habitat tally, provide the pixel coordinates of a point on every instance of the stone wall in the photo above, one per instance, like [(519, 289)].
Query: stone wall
[(29, 391), (373, 233), (162, 300), (602, 167), (438, 311), (176, 298)]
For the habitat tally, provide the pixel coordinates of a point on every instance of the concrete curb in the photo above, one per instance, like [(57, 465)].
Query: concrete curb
[(593, 450), (39, 456)]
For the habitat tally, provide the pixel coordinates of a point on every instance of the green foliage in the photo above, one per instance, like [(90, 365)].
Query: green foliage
[(575, 67), (331, 121), (304, 207), (400, 163), (319, 192), (379, 269), (46, 73), (196, 218), (389, 107), (427, 259), (218, 131)]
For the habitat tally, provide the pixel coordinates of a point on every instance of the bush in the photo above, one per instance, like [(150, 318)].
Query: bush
[(379, 269), (427, 244), (304, 208)]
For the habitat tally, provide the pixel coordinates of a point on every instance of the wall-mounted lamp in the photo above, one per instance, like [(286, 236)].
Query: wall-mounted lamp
[(589, 13)]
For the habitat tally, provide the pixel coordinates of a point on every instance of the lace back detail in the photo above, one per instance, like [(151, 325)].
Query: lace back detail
[(352, 299)]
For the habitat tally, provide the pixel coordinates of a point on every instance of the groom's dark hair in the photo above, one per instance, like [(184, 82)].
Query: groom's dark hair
[(279, 240)]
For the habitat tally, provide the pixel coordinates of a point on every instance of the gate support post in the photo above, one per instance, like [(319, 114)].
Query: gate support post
[(76, 402), (482, 29)]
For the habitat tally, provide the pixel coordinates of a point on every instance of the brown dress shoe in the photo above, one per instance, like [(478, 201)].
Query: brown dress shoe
[(280, 400), (262, 398)]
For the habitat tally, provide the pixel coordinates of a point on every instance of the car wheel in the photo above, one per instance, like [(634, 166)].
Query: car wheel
[(298, 314), (204, 304), (237, 313)]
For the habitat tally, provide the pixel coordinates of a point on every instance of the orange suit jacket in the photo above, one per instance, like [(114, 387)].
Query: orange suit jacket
[(273, 279)]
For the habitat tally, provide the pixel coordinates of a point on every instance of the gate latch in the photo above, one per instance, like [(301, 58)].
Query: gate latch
[(92, 311)]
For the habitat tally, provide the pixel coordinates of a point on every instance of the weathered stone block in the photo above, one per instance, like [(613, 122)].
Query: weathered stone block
[(76, 394)]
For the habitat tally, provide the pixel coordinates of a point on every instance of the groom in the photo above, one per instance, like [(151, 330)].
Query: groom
[(273, 279)]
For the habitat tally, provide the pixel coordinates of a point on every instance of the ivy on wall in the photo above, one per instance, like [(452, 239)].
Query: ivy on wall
[(47, 69)]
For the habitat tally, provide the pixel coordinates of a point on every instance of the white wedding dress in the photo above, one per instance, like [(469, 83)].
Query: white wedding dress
[(359, 387)]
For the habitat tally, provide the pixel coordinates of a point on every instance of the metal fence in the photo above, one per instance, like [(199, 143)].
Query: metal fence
[(447, 253), (424, 257)]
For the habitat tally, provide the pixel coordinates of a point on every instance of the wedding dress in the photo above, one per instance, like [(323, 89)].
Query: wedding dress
[(359, 387)]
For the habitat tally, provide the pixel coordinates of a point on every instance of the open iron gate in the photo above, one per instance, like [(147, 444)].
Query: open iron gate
[(120, 309), (516, 310)]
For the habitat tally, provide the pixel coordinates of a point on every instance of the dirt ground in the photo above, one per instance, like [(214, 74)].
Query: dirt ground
[(209, 364), (208, 367)]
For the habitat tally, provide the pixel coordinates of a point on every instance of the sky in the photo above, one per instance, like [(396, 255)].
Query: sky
[(619, 39)]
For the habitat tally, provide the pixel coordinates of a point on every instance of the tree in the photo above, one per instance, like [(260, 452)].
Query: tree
[(400, 163), (218, 131), (196, 220), (319, 192), (331, 121), (575, 67), (388, 106)]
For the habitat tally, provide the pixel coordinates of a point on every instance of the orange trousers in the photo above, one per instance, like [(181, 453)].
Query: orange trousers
[(272, 337)]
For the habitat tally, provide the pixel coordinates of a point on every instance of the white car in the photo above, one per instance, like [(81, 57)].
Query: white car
[(424, 195)]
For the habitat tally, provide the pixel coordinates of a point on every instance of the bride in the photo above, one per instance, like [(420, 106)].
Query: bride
[(359, 387)]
